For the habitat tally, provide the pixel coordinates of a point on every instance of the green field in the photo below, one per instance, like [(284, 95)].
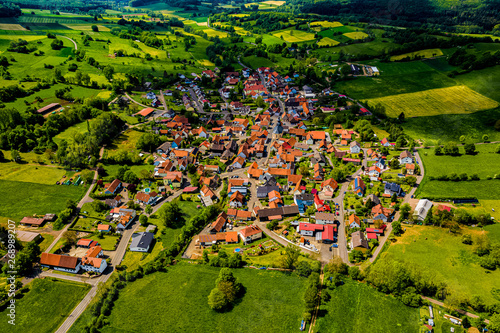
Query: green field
[(70, 132), (431, 247), (327, 41), (450, 100), (355, 306), (485, 163), (30, 173), (256, 62), (182, 294), (25, 199), (429, 53), (42, 309), (450, 127)]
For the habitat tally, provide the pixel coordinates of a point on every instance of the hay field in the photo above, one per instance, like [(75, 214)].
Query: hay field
[(14, 27), (327, 41), (274, 3), (451, 100), (294, 36), (86, 27), (213, 33), (28, 38), (356, 35), (326, 24), (428, 53)]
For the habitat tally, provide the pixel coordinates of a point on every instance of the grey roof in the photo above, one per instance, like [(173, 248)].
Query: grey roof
[(142, 240), (393, 187), (262, 191), (286, 210), (358, 239), (164, 146), (305, 197)]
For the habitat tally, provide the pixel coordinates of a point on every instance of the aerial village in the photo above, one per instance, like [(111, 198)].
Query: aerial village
[(319, 189)]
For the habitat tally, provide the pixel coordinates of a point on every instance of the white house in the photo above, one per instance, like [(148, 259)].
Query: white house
[(141, 241), (405, 158), (97, 265), (422, 209), (355, 147), (251, 233)]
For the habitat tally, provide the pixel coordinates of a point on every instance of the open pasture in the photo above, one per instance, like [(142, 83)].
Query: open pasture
[(183, 292), (428, 53), (355, 306), (9, 26), (42, 310), (30, 173), (429, 247), (356, 35), (452, 100), (294, 36)]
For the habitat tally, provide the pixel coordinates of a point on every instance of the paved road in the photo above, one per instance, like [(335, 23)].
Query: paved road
[(119, 254), (86, 198), (407, 198), (74, 43)]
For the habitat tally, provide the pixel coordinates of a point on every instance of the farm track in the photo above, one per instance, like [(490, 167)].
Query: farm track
[(74, 43)]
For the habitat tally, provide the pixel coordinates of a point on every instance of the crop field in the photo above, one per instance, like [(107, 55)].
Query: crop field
[(86, 27), (41, 309), (356, 35), (326, 24), (30, 173), (428, 53), (7, 26), (294, 36), (26, 199), (45, 19), (183, 292), (355, 306), (327, 41), (430, 247), (213, 33), (452, 100), (274, 3)]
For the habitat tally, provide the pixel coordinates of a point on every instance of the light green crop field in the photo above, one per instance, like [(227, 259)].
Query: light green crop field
[(452, 100), (356, 35), (183, 292), (429, 53), (30, 173), (327, 41), (355, 306), (293, 36), (326, 24), (431, 247), (41, 309)]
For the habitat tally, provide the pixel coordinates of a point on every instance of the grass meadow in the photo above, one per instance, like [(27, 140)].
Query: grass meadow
[(485, 164), (25, 199), (355, 306), (42, 310), (179, 298), (431, 247), (256, 62), (450, 100), (29, 173)]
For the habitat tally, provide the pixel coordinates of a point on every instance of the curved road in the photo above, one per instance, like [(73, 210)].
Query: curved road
[(74, 43)]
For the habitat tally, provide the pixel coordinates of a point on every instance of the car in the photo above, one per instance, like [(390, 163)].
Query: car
[(338, 214), (334, 245)]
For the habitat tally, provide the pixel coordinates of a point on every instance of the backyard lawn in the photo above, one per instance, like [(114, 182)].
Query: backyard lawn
[(107, 243), (41, 309), (430, 247), (179, 298), (42, 199), (355, 306)]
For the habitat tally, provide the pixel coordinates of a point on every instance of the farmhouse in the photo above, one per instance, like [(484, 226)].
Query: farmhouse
[(141, 241), (251, 233), (32, 221), (93, 261), (146, 112), (60, 262)]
